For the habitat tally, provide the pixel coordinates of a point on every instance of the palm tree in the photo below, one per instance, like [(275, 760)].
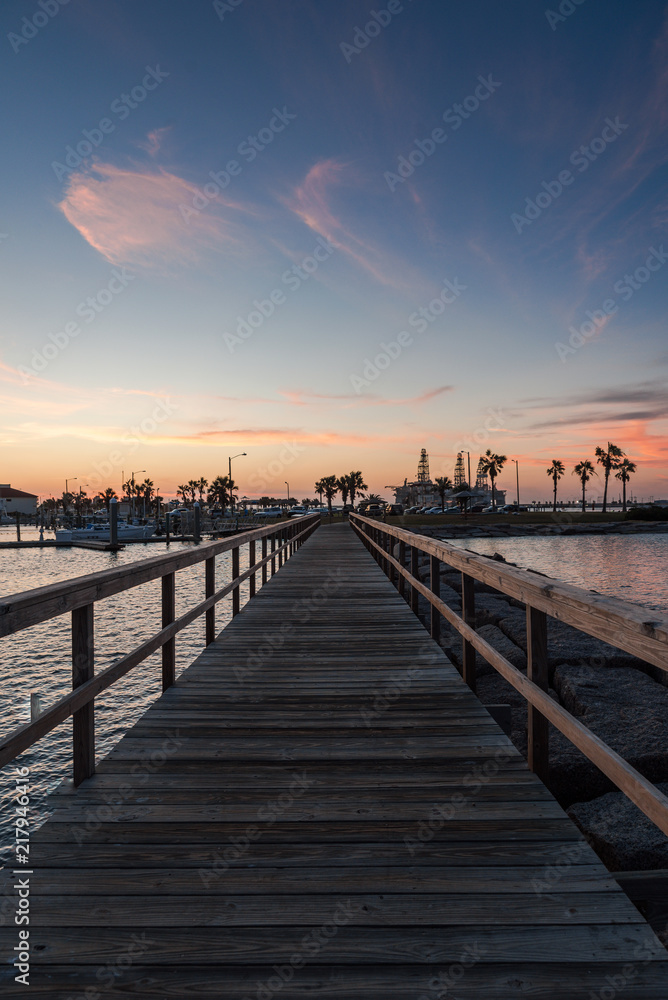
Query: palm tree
[(355, 484), (556, 471), (610, 459), (374, 498), (130, 489), (625, 471), (183, 491), (330, 489), (492, 465), (221, 492), (108, 495), (585, 470), (344, 488), (319, 488), (443, 484), (201, 486)]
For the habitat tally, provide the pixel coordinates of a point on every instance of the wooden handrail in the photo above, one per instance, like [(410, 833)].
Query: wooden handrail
[(79, 595), (652, 802)]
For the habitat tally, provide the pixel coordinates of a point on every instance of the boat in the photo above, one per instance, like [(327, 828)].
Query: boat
[(102, 532)]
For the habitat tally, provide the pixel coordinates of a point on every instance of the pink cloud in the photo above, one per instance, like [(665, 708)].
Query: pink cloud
[(143, 218), (302, 397), (312, 202)]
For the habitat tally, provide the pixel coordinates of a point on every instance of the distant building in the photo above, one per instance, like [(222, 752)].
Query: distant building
[(423, 490), (16, 501)]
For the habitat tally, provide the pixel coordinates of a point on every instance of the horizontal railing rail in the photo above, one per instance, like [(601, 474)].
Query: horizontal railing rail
[(619, 623), (78, 597)]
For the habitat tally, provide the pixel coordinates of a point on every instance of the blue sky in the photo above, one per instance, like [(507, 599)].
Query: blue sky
[(501, 167)]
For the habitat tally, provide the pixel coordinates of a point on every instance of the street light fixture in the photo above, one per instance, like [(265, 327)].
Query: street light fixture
[(229, 470), (72, 479), (517, 474), (132, 480), (288, 486)]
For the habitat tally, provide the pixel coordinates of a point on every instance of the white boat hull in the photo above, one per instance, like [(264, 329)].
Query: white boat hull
[(102, 533)]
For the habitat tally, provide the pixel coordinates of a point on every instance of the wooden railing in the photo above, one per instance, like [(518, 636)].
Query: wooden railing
[(78, 597), (636, 630)]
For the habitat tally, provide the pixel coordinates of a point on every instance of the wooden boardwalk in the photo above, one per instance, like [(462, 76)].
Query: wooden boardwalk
[(320, 807)]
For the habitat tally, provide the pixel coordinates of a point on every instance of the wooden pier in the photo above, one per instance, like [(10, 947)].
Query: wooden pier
[(319, 806)]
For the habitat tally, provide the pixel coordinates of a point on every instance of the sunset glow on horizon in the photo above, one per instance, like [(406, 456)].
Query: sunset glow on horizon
[(274, 229)]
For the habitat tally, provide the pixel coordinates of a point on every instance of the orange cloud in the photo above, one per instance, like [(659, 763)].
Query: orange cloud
[(143, 218)]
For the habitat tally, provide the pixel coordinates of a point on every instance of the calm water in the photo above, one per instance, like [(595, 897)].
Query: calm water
[(631, 567), (38, 659)]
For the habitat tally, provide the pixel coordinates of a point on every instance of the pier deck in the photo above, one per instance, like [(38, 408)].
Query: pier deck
[(321, 807)]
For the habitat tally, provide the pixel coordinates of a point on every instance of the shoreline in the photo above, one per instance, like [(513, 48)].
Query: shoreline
[(505, 530)]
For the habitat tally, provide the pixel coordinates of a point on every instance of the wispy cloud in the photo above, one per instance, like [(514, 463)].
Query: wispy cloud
[(313, 201), (132, 215), (304, 397)]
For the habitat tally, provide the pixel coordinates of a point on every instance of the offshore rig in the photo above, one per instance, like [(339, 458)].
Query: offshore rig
[(423, 490)]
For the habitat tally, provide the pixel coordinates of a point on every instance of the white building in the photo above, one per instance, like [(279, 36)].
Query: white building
[(16, 501)]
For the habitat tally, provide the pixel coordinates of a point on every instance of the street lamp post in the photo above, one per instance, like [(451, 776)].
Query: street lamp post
[(229, 469), (288, 486), (468, 455), (72, 479), (517, 474), (132, 499)]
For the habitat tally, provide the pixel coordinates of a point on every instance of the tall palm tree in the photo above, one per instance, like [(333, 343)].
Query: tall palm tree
[(556, 471), (108, 495), (443, 484), (319, 488), (355, 484), (221, 492), (584, 470), (492, 465), (201, 487), (183, 491), (624, 472), (344, 488), (610, 459), (330, 489)]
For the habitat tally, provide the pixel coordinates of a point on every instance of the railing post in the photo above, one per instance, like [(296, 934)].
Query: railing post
[(402, 560), (435, 587), (209, 591), (197, 532), (415, 571), (273, 557), (468, 614), (83, 720), (251, 562), (279, 542), (538, 728), (168, 616), (264, 555), (235, 574)]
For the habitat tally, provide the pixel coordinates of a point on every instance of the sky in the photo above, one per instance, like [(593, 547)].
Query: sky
[(328, 234)]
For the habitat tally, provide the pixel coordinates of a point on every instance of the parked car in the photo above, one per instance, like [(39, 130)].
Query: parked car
[(270, 512), (394, 509), (411, 510), (373, 510), (297, 512)]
